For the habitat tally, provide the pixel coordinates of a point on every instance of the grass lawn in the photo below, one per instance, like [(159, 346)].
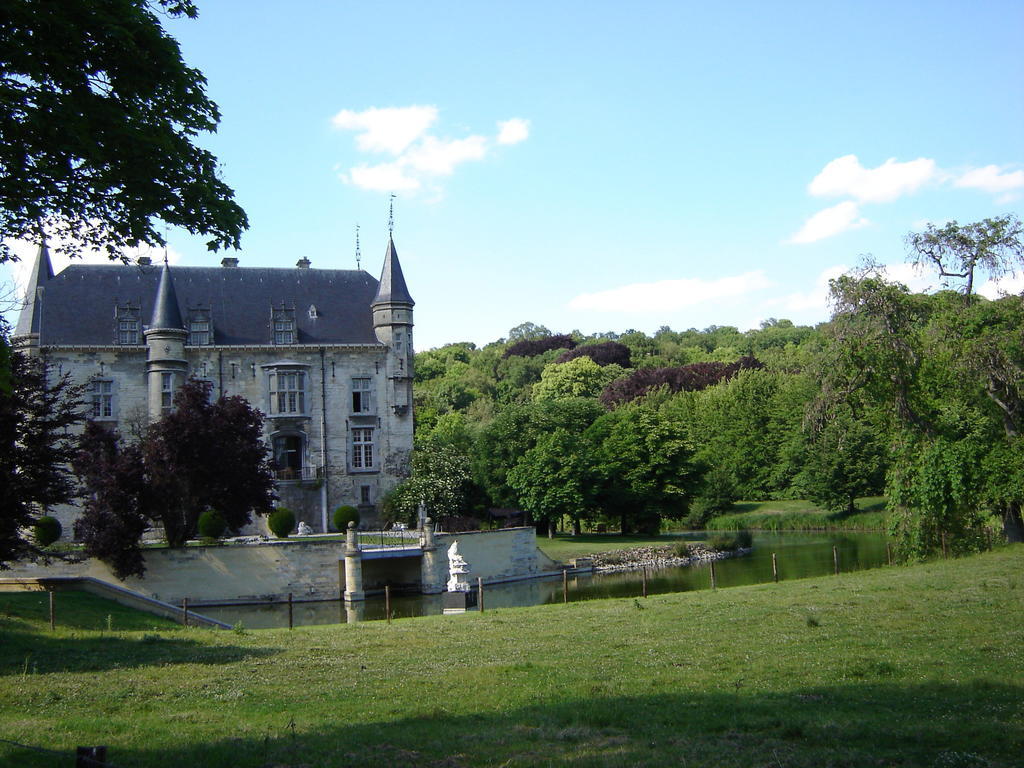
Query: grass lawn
[(918, 666), (800, 515)]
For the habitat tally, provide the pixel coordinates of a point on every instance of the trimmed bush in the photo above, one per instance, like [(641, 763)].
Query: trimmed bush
[(281, 522), (344, 515), (46, 530), (212, 524)]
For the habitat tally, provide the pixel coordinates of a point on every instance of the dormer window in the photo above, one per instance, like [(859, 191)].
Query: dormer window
[(127, 319), (283, 321), (199, 329)]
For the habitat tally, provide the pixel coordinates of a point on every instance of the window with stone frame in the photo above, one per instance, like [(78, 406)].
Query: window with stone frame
[(283, 324), (101, 399), (126, 318), (200, 330), (287, 392), (362, 449), (289, 450), (362, 396)]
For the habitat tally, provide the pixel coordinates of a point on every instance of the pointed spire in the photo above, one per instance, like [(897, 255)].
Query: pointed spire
[(42, 272), (166, 313), (392, 288)]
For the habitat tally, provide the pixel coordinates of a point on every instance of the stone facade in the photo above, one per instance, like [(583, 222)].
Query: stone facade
[(336, 388)]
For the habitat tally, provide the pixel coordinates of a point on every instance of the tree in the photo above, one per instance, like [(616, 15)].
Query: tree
[(200, 456), (956, 251), (36, 447), (205, 455), (114, 514), (581, 377), (440, 482), (550, 479), (604, 353), (98, 113), (845, 460)]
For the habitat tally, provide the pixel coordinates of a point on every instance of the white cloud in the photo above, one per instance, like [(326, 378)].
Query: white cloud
[(419, 155), (829, 222), (669, 295), (439, 157), (1011, 284), (385, 177), (513, 131), (994, 180), (816, 299), (889, 181), (388, 129)]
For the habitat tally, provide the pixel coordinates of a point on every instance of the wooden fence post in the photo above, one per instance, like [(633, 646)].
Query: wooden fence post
[(387, 602), (480, 592), (645, 581), (835, 558), (53, 613), (775, 568), (565, 585), (291, 623), (184, 609), (714, 584)]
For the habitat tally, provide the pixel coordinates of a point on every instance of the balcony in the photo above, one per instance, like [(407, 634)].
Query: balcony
[(298, 474)]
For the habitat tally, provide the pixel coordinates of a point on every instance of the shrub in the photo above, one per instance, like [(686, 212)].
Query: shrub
[(212, 524), (46, 530), (605, 353), (534, 347), (281, 522), (344, 515), (729, 542)]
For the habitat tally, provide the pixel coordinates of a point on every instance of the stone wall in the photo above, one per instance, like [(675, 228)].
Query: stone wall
[(311, 569)]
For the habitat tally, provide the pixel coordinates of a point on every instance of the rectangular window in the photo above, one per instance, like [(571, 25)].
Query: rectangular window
[(361, 396), (199, 328), (127, 317), (166, 392), (362, 448), (364, 494), (101, 392), (283, 322), (288, 392)]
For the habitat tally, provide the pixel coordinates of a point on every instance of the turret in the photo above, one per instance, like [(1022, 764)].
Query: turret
[(30, 322), (392, 324), (166, 367)]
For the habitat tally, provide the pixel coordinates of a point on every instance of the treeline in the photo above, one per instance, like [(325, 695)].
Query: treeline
[(918, 397)]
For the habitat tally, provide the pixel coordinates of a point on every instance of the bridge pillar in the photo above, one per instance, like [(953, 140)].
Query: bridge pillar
[(353, 566), (430, 582)]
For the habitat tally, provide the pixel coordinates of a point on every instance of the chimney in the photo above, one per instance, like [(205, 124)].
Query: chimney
[(145, 261), (229, 261), (303, 263)]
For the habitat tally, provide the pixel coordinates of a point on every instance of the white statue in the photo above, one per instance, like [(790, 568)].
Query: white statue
[(304, 530), (457, 569)]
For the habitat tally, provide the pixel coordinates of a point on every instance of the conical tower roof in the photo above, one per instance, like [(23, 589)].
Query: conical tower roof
[(31, 313), (166, 313), (392, 288)]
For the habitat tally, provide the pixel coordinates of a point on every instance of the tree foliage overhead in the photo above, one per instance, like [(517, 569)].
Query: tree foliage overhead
[(36, 413), (98, 117), (957, 251)]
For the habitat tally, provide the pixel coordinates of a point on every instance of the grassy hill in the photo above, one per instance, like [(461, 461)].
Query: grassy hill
[(916, 666)]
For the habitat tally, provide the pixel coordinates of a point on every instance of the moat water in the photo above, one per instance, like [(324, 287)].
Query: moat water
[(799, 555)]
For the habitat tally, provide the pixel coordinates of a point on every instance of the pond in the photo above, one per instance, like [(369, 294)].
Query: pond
[(799, 555)]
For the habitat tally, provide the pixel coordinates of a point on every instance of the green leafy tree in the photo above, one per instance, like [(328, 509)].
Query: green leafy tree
[(98, 115), (581, 377), (844, 461), (439, 481), (550, 479)]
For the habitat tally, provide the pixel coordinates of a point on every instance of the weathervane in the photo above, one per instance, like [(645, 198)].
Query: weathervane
[(359, 256), (391, 214)]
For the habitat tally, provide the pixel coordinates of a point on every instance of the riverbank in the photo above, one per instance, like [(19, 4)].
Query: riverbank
[(801, 515), (912, 666), (664, 556)]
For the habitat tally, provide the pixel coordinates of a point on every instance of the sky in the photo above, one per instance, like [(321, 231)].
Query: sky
[(606, 166)]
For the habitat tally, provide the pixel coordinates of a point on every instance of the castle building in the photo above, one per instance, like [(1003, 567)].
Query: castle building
[(325, 354)]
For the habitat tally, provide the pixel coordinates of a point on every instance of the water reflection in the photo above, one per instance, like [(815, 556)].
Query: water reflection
[(799, 555)]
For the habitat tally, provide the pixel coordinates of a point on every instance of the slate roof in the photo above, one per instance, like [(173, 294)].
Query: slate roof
[(79, 303), (392, 287)]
